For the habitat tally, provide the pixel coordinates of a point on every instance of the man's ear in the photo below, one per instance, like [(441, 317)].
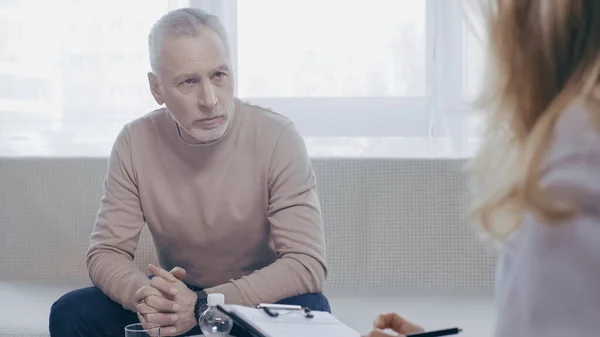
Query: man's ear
[(155, 88)]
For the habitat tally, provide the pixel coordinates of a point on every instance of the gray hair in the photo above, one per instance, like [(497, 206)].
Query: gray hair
[(182, 22)]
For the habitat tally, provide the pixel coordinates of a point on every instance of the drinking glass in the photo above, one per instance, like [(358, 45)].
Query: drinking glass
[(137, 330)]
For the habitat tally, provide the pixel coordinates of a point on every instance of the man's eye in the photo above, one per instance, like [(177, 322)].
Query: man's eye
[(219, 75), (189, 81)]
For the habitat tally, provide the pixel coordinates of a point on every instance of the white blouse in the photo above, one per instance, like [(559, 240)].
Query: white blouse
[(548, 276)]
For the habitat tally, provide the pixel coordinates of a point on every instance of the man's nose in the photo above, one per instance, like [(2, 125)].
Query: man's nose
[(207, 98)]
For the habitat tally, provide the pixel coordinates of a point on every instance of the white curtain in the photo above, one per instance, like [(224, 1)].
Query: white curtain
[(459, 54), (71, 73), (359, 78)]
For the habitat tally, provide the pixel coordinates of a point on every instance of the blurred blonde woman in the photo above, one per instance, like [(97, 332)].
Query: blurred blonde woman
[(538, 169)]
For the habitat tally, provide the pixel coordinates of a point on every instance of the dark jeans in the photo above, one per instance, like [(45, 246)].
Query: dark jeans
[(89, 313)]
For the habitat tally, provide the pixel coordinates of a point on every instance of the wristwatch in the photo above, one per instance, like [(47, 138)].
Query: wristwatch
[(200, 303)]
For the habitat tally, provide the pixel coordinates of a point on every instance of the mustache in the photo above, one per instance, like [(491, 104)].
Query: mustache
[(220, 110)]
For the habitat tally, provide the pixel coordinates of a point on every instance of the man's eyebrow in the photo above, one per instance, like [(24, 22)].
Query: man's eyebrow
[(180, 77), (222, 67), (183, 76)]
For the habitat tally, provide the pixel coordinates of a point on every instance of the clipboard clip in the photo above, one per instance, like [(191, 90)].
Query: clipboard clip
[(275, 310)]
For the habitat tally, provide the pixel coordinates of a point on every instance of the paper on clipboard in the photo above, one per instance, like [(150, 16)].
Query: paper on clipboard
[(323, 324)]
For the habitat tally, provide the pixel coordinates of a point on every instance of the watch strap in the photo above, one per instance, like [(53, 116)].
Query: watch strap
[(200, 303)]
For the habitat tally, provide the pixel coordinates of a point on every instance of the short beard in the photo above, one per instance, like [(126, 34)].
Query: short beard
[(209, 136)]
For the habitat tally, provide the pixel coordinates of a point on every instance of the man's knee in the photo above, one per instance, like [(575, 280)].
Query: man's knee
[(317, 301), (66, 308), (68, 313)]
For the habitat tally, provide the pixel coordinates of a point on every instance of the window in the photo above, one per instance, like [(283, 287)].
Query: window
[(374, 78), (333, 48)]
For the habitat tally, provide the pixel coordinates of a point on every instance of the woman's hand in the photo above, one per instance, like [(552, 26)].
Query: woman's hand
[(394, 322)]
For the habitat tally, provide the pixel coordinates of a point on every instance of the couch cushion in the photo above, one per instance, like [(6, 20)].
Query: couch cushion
[(29, 305), (396, 225), (26, 305)]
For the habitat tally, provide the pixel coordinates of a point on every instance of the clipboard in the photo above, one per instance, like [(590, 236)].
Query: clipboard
[(241, 322), (268, 320)]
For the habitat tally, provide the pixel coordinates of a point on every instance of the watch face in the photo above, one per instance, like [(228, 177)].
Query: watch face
[(201, 305)]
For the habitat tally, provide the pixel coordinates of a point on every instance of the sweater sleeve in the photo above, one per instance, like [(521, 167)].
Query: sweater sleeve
[(296, 224), (117, 229)]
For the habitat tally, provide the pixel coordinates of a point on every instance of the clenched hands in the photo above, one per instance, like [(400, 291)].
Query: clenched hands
[(167, 301)]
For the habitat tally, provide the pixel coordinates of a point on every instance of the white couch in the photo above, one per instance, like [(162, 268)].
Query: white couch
[(395, 229)]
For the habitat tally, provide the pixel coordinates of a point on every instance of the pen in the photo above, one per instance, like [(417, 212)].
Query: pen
[(437, 333), (279, 306)]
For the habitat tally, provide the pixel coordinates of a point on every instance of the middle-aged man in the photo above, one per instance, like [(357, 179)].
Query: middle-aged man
[(226, 189)]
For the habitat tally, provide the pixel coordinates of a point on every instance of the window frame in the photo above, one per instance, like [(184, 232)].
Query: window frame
[(438, 114), (391, 116)]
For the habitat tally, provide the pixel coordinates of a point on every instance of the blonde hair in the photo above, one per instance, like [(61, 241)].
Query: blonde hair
[(544, 55)]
